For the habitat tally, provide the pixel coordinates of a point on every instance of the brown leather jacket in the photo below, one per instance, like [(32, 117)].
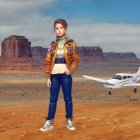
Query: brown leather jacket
[(71, 55)]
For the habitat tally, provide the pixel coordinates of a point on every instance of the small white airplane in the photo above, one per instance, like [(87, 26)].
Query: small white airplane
[(119, 80)]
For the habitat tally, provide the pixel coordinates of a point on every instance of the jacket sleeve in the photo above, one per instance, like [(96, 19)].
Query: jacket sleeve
[(75, 58), (48, 63)]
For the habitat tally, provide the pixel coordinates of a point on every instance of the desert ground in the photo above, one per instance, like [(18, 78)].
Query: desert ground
[(24, 99)]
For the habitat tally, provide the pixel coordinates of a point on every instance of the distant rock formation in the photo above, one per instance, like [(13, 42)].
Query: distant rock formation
[(19, 63), (91, 54), (16, 54), (39, 53), (121, 57), (88, 54), (16, 46), (90, 51)]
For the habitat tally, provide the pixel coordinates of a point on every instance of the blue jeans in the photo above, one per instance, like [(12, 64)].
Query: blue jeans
[(65, 81)]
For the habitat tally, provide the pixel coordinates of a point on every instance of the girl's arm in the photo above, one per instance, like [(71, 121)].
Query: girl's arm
[(48, 63), (75, 57)]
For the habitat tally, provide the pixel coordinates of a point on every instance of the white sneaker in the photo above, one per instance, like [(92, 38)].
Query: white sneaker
[(70, 125), (47, 126)]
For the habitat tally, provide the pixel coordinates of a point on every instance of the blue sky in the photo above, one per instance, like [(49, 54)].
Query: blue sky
[(109, 11), (114, 25)]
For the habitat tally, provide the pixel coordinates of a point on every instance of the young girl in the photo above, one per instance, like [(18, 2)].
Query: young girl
[(61, 61)]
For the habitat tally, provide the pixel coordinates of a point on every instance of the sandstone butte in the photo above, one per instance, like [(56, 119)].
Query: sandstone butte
[(17, 54)]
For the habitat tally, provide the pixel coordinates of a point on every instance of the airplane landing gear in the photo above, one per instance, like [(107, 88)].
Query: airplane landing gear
[(135, 90), (110, 92)]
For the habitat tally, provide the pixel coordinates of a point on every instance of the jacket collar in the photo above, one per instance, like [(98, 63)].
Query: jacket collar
[(67, 39)]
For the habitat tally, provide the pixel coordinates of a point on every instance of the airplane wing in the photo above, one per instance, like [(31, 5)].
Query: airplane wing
[(132, 85), (95, 79)]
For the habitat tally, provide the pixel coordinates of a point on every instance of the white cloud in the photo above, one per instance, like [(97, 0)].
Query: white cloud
[(111, 37), (24, 18), (14, 11)]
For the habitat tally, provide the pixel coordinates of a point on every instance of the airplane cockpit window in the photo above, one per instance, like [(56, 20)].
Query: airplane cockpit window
[(117, 77), (114, 77)]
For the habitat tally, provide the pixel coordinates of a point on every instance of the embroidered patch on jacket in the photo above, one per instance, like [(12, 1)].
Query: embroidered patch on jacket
[(69, 50), (49, 48)]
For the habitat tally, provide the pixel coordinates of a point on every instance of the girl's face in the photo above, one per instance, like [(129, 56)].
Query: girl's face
[(60, 30)]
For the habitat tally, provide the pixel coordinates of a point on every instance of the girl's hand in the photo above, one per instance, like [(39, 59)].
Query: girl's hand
[(68, 72), (49, 83)]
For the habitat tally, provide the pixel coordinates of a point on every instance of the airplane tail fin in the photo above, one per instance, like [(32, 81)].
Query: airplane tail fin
[(138, 72)]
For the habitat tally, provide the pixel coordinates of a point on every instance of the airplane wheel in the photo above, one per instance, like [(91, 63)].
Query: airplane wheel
[(110, 92), (135, 90)]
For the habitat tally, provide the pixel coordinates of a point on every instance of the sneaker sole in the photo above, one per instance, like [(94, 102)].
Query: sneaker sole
[(46, 130), (70, 128)]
